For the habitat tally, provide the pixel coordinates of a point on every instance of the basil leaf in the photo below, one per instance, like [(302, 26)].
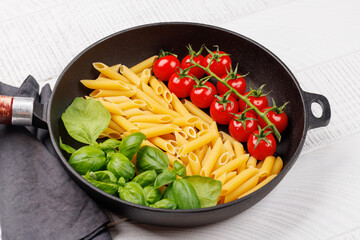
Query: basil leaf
[(151, 158), (166, 177), (130, 145), (104, 180), (179, 169), (207, 189), (132, 192), (86, 159), (121, 182), (121, 166), (65, 147), (152, 194), (109, 144), (146, 178), (164, 203), (183, 194), (85, 120)]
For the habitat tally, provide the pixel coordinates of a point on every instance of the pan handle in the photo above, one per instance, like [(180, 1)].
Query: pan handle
[(312, 120), (22, 111)]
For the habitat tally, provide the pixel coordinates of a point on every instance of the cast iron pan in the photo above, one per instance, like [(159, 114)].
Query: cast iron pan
[(136, 44)]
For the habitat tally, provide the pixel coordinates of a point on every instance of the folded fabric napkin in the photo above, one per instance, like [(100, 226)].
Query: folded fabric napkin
[(38, 199)]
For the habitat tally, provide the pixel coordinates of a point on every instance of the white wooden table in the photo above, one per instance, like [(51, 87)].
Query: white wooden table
[(319, 40)]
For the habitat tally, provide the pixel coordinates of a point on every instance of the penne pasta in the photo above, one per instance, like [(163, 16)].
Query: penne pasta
[(125, 71), (158, 118), (267, 166), (114, 67), (147, 63), (178, 106), (162, 144), (151, 93), (190, 131), (212, 158), (144, 125), (260, 185), (166, 92), (159, 130), (200, 153), (238, 180), (145, 76), (228, 148), (243, 188), (111, 133), (110, 93), (133, 112), (116, 127), (155, 84), (180, 140), (278, 165), (194, 163), (109, 72), (197, 143), (124, 123), (221, 178), (111, 107), (105, 84), (230, 176), (251, 162), (197, 111), (117, 99), (172, 159), (185, 121), (230, 166)]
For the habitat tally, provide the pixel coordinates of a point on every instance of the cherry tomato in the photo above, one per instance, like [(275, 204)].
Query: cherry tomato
[(261, 144), (203, 96), (238, 83), (198, 58), (260, 102), (180, 85), (277, 117), (165, 66), (241, 127), (220, 64), (221, 109)]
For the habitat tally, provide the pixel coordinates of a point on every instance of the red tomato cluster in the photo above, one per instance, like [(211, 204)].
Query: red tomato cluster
[(227, 108)]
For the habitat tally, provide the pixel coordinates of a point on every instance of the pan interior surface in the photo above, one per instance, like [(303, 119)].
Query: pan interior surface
[(131, 46)]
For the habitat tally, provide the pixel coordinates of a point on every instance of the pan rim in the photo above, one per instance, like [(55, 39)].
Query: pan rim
[(275, 181)]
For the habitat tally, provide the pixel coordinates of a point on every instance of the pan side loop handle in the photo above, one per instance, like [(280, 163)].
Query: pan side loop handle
[(16, 110), (312, 120)]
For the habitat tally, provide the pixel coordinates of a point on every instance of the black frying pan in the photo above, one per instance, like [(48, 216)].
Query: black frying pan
[(136, 44)]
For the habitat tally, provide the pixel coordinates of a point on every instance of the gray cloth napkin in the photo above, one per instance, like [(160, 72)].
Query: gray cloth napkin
[(38, 199)]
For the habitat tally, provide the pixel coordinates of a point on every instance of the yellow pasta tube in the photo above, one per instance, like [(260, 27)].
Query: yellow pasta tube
[(260, 185), (105, 84), (144, 125), (278, 165), (117, 99), (159, 130), (153, 118), (111, 133), (238, 148), (267, 166), (238, 180), (243, 188), (110, 93), (251, 162), (149, 91), (147, 63), (221, 178), (147, 143), (201, 125), (109, 72), (230, 166), (124, 123), (190, 131), (197, 143), (259, 164), (241, 168), (132, 112), (162, 144), (200, 153), (230, 176), (145, 76), (226, 136), (155, 84), (185, 121), (111, 107), (207, 155), (211, 160), (228, 148), (188, 170), (180, 140), (178, 106), (114, 67), (223, 159), (125, 71), (197, 111), (194, 163), (166, 92), (116, 127)]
